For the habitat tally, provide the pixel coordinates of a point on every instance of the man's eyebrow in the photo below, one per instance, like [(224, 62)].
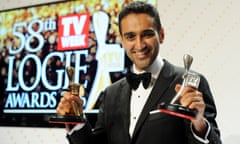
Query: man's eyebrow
[(149, 30), (143, 32), (128, 33)]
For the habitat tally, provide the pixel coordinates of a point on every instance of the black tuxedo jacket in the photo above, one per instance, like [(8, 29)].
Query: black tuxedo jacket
[(112, 126)]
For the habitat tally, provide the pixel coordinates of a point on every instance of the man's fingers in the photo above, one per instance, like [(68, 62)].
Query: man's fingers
[(177, 87)]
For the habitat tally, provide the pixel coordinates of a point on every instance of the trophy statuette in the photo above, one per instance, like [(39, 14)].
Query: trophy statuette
[(189, 79), (72, 116)]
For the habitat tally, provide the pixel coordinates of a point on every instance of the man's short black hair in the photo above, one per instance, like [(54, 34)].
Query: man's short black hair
[(138, 7)]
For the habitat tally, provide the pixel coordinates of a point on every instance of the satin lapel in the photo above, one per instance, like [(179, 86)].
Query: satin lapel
[(125, 106), (161, 85)]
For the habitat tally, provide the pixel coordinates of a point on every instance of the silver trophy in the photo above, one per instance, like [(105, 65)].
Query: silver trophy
[(73, 115), (189, 79)]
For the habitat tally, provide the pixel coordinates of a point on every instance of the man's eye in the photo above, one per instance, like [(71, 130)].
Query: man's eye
[(130, 36), (148, 34)]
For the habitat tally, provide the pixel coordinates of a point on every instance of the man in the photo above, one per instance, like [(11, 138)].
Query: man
[(124, 115)]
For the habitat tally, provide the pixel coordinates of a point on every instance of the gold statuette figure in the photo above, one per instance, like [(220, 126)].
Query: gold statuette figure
[(72, 115)]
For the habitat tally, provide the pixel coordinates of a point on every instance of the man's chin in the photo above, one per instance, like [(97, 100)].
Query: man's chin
[(142, 65)]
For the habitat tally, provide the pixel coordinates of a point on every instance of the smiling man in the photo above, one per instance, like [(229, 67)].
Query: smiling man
[(124, 115)]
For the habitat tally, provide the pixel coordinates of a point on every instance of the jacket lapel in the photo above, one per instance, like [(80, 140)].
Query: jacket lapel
[(124, 102), (164, 81)]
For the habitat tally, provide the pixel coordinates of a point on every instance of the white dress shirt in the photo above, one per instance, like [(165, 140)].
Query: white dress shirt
[(140, 95)]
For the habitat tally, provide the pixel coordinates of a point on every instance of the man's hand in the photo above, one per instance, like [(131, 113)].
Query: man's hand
[(193, 99), (65, 104)]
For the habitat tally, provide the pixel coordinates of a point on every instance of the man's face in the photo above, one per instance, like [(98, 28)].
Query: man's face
[(140, 39)]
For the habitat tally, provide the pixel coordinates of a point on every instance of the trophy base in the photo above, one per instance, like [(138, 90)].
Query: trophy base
[(177, 110), (66, 119)]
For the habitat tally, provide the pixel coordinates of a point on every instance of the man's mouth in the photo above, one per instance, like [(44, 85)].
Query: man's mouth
[(142, 54)]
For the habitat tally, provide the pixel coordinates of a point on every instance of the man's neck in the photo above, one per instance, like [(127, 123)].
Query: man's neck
[(154, 68)]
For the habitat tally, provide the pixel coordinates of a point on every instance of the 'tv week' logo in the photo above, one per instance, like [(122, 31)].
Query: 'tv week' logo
[(73, 32)]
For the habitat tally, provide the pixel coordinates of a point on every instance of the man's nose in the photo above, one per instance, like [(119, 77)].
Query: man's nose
[(140, 44)]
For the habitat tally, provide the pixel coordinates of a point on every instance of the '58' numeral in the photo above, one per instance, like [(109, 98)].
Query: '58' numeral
[(25, 40)]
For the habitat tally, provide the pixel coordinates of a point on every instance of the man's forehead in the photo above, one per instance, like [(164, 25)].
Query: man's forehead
[(137, 19)]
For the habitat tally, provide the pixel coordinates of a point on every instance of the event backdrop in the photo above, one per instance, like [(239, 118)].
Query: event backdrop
[(37, 43), (206, 29)]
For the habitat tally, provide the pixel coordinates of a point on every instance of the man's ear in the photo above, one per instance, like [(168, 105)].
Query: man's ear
[(161, 35)]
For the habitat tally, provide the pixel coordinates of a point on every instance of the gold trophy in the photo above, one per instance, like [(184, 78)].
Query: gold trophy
[(189, 79), (72, 116)]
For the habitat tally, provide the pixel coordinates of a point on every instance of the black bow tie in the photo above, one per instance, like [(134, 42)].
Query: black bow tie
[(135, 79)]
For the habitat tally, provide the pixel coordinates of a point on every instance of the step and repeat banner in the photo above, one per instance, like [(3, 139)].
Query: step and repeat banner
[(37, 43)]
